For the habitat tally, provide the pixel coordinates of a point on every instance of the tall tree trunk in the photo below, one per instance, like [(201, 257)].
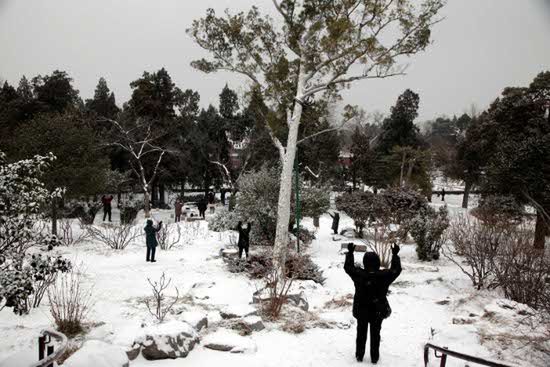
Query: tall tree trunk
[(401, 173), (161, 194), (146, 204), (54, 216), (466, 197), (540, 231), (285, 189)]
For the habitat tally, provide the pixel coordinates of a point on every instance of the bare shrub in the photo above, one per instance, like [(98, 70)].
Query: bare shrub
[(277, 294), (159, 306), (522, 271), (70, 302), (380, 241), (67, 236), (473, 247), (169, 236), (116, 237), (294, 326)]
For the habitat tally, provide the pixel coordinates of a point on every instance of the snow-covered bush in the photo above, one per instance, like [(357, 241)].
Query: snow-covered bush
[(68, 237), (473, 246), (427, 229), (84, 211), (223, 220), (363, 208), (44, 271), (116, 237), (158, 305), (404, 203), (522, 271), (315, 202), (129, 211), (22, 195), (70, 302), (169, 236)]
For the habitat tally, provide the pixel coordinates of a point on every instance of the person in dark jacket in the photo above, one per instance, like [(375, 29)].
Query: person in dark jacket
[(244, 238), (370, 303), (106, 201), (178, 206), (335, 221), (442, 194), (202, 205), (151, 239), (222, 196)]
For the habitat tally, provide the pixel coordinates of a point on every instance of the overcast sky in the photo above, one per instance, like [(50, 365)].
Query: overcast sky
[(481, 47)]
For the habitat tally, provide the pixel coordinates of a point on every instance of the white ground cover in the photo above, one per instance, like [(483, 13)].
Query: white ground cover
[(431, 302)]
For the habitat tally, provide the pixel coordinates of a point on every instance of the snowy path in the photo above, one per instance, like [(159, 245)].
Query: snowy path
[(120, 283)]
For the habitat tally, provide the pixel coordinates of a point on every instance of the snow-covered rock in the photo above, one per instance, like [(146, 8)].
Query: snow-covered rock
[(298, 299), (226, 341), (237, 311), (98, 354), (173, 339), (340, 320), (229, 252), (197, 320), (255, 323)]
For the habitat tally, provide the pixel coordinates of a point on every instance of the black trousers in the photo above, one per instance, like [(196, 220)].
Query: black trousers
[(151, 253), (361, 341), (178, 217), (202, 213), (107, 211), (241, 248)]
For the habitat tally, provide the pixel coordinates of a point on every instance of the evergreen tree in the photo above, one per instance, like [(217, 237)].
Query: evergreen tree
[(55, 92), (103, 104)]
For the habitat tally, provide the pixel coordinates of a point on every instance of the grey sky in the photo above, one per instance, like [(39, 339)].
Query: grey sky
[(480, 48)]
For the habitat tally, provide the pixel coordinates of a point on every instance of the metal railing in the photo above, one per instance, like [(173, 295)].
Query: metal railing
[(46, 354), (444, 352)]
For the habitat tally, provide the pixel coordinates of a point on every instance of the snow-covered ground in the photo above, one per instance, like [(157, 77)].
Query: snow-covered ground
[(431, 302)]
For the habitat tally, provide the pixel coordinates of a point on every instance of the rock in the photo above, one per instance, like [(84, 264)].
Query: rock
[(98, 354), (197, 320), (443, 302), (229, 252), (173, 339), (202, 290), (336, 319), (358, 248), (237, 311), (255, 323), (337, 238), (463, 321), (348, 232), (226, 341), (299, 300), (133, 353)]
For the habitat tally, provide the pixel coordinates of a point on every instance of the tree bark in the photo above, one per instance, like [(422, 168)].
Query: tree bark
[(466, 197), (540, 231), (161, 195), (146, 204), (285, 190)]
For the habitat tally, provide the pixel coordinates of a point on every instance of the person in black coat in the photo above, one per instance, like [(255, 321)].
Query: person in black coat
[(151, 239), (370, 303), (244, 238), (335, 221), (202, 205)]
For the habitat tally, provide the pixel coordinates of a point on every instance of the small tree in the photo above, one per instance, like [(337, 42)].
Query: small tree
[(427, 229), (160, 307), (316, 202)]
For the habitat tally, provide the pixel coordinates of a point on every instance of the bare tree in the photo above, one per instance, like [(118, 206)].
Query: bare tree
[(141, 142), (160, 307)]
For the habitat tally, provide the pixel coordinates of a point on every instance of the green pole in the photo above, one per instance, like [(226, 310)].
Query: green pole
[(298, 208)]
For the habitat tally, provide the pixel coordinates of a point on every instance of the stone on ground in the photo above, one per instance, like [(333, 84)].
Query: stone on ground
[(227, 341), (197, 320), (173, 339), (237, 311)]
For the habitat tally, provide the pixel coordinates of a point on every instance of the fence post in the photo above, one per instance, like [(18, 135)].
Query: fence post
[(443, 360), (41, 347), (50, 352)]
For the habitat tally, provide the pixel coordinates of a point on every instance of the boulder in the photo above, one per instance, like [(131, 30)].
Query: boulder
[(238, 311), (336, 238), (197, 320), (173, 339), (98, 354), (358, 248), (255, 323), (297, 299), (229, 252), (226, 341), (348, 232)]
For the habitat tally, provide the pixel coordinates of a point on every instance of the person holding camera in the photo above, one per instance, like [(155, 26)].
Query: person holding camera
[(370, 303)]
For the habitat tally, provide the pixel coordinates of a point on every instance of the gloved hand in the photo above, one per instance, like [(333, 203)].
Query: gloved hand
[(351, 247), (395, 249)]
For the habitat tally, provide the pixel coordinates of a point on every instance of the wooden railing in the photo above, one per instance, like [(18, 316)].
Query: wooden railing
[(444, 353), (46, 353)]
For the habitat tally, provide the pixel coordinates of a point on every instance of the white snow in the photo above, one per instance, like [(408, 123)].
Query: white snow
[(237, 343), (98, 354), (425, 299)]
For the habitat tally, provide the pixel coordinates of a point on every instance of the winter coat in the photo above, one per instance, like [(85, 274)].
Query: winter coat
[(178, 206), (371, 286), (106, 200), (244, 235), (151, 234), (202, 205)]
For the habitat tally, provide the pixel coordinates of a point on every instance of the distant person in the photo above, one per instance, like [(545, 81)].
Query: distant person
[(370, 304), (335, 221), (222, 196), (106, 201), (151, 239), (211, 197), (178, 206), (443, 194), (244, 239), (202, 205)]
